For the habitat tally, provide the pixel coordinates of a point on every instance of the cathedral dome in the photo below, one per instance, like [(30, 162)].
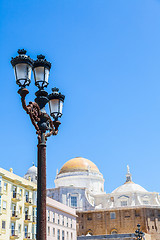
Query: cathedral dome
[(32, 170), (31, 174), (79, 164), (130, 187)]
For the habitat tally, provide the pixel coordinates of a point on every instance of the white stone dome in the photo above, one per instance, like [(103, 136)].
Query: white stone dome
[(130, 187), (31, 174), (32, 170)]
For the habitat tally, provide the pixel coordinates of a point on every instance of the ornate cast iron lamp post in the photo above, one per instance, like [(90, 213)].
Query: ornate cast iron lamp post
[(45, 127), (139, 234)]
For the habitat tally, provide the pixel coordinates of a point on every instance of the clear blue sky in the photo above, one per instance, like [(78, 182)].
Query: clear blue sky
[(105, 58)]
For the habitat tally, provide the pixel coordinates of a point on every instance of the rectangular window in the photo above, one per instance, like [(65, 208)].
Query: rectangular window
[(58, 234), (5, 187), (12, 229), (112, 215), (123, 203), (73, 201), (53, 231), (14, 191), (26, 213), (62, 235), (4, 205), (71, 236), (89, 217), (20, 192), (27, 196), (71, 223), (137, 213), (48, 215), (3, 224), (58, 219), (35, 198), (127, 214), (26, 231), (48, 230), (62, 220), (19, 228), (53, 217)]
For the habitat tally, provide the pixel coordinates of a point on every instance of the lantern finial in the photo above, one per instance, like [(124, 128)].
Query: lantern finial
[(40, 56), (55, 89), (21, 51)]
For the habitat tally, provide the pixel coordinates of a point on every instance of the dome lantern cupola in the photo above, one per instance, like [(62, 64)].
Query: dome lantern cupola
[(128, 175)]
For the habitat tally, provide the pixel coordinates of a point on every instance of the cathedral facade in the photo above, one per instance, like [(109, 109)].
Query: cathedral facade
[(80, 185)]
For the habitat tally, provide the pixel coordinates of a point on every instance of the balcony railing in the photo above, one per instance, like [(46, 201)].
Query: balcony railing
[(29, 200), (16, 196), (15, 214), (34, 219), (27, 217), (14, 233), (27, 235), (33, 236)]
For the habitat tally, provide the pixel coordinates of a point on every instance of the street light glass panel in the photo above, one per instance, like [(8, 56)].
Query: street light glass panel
[(41, 75), (41, 70), (22, 65), (22, 73), (55, 106), (56, 100)]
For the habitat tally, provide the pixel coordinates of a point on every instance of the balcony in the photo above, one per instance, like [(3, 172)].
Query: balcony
[(33, 236), (34, 219), (1, 191), (15, 215), (16, 197), (14, 234), (27, 236), (28, 201), (28, 218)]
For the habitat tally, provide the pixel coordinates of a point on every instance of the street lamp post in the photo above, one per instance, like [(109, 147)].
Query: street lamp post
[(138, 233), (45, 127)]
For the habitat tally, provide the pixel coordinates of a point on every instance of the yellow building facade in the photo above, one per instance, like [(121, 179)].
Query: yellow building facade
[(17, 207)]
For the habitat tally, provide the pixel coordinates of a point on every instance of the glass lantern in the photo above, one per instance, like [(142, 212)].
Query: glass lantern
[(41, 68), (22, 65), (56, 100)]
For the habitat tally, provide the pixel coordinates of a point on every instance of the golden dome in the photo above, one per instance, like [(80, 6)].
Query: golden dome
[(79, 164)]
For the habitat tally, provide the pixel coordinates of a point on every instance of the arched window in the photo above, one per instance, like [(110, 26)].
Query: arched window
[(89, 232), (114, 231)]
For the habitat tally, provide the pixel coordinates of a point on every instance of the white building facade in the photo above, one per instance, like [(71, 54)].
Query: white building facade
[(18, 210), (17, 207), (61, 221)]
